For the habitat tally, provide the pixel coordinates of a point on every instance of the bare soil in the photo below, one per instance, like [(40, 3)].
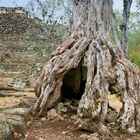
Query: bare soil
[(43, 129), (53, 129)]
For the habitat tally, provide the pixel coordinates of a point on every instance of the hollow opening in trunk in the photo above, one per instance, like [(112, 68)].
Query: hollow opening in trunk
[(74, 83)]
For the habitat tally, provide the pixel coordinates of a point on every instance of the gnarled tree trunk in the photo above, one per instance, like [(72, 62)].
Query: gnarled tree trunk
[(94, 58)]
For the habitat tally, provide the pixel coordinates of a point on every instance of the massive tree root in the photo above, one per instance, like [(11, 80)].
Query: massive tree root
[(108, 71)]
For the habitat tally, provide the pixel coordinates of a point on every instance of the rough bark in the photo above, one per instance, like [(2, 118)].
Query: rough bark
[(108, 71)]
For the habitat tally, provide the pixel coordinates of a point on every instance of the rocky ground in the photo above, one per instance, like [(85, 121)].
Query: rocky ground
[(16, 123), (25, 46), (61, 123)]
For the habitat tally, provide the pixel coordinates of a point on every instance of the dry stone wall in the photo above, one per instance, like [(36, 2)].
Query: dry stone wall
[(25, 45)]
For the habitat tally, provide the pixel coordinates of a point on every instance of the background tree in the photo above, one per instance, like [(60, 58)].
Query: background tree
[(115, 30), (50, 13), (123, 24), (133, 33), (138, 10), (124, 27)]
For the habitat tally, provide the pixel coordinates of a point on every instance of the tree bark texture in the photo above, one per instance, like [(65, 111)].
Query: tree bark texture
[(108, 71)]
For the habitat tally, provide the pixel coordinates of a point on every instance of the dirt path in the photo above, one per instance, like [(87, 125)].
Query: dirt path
[(53, 130), (66, 130)]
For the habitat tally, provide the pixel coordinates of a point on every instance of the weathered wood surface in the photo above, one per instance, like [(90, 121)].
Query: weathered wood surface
[(108, 71)]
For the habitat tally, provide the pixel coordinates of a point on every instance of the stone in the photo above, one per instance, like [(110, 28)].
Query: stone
[(43, 119), (32, 81), (59, 106), (65, 116), (76, 102), (114, 102), (16, 135), (41, 139), (93, 136), (18, 123), (29, 123), (18, 111), (13, 121), (74, 117), (26, 135), (84, 136), (25, 103), (63, 109), (63, 132), (19, 85), (52, 114), (68, 103), (38, 69), (5, 130), (10, 123)]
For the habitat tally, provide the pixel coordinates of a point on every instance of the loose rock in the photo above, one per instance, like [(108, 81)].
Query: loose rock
[(18, 111), (93, 136), (5, 130), (52, 114), (74, 117)]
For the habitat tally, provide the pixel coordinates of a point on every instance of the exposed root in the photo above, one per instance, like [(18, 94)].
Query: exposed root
[(107, 68), (94, 125), (50, 82)]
